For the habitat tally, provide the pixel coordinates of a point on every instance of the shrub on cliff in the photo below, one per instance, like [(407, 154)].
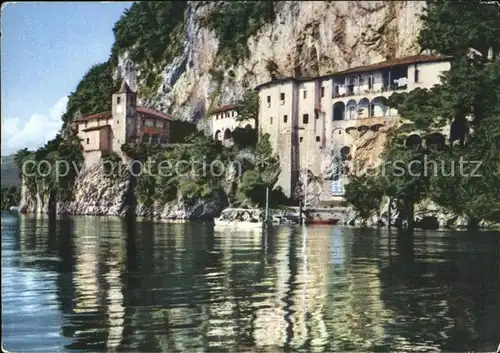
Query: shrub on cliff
[(9, 197), (248, 106), (53, 168), (244, 137), (147, 29), (262, 173), (93, 92), (178, 170), (235, 22), (469, 94), (365, 193)]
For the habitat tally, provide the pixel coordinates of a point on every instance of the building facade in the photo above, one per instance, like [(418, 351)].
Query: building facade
[(224, 121), (106, 132), (309, 119)]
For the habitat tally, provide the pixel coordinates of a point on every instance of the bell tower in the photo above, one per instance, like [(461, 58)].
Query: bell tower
[(124, 116)]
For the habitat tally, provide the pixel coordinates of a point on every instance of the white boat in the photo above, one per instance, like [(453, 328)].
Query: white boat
[(229, 219), (238, 224)]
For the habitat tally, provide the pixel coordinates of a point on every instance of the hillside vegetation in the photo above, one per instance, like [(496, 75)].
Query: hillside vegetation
[(469, 99), (153, 33)]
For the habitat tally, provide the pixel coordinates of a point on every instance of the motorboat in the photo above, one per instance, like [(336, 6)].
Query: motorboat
[(240, 219), (320, 217), (331, 221)]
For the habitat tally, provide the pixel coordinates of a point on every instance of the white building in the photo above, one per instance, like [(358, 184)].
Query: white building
[(106, 132), (224, 121), (307, 117)]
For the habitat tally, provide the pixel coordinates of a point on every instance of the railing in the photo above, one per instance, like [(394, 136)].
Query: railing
[(357, 91)]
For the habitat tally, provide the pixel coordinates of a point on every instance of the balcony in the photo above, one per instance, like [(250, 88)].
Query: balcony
[(394, 79), (352, 91)]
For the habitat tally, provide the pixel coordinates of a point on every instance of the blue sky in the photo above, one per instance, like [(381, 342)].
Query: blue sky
[(46, 49)]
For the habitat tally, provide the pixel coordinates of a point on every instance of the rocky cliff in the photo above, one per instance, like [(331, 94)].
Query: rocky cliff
[(96, 193), (365, 152), (305, 39)]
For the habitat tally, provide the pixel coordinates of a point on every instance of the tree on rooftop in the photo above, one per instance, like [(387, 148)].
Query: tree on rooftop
[(248, 106)]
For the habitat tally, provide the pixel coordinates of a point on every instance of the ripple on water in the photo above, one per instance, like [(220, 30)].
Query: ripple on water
[(104, 284)]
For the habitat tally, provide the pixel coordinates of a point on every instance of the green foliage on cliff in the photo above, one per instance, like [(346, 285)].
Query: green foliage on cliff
[(469, 95), (51, 170), (93, 93), (200, 167), (454, 27), (261, 174), (248, 106), (186, 170), (153, 33), (248, 109), (234, 22), (365, 193), (9, 197)]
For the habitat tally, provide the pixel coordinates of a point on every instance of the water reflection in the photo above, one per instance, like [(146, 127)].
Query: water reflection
[(105, 284)]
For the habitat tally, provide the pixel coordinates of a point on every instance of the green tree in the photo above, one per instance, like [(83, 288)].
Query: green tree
[(9, 197), (365, 193), (263, 173), (235, 22), (244, 137), (248, 106), (93, 92), (469, 94)]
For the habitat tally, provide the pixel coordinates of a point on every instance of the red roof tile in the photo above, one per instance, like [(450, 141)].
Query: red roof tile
[(223, 108), (103, 115), (143, 111), (152, 112), (93, 128), (414, 59)]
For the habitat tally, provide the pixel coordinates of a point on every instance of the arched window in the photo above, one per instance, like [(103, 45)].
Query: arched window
[(339, 111)]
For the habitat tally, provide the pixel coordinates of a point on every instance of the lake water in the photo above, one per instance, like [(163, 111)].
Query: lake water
[(106, 284)]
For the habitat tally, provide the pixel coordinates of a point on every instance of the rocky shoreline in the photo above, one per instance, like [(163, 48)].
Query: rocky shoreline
[(428, 216), (95, 194), (98, 195)]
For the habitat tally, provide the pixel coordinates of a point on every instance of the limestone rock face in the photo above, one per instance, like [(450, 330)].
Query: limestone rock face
[(28, 201), (367, 149), (427, 215), (202, 209), (95, 193), (307, 38)]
